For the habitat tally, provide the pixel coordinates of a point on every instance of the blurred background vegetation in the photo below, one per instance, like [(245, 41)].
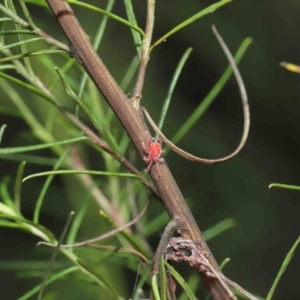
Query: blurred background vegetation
[(267, 220)]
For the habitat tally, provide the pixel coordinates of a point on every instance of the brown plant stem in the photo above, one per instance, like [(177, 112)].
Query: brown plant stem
[(137, 131)]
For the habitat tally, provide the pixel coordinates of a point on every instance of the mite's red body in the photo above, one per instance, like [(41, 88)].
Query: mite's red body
[(153, 151)]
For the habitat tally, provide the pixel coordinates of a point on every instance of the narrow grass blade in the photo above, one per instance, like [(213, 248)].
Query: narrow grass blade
[(138, 290), (100, 280), (209, 9), (224, 263), (18, 185), (2, 132), (162, 280), (33, 159), (7, 67), (14, 17), (155, 288), (127, 78), (29, 87), (105, 134), (181, 281), (28, 54), (96, 44), (27, 14), (6, 210), (285, 186), (79, 217), (20, 43), (108, 14), (23, 47), (131, 17), (55, 252), (174, 80), (15, 32), (29, 226), (76, 172), (131, 71), (156, 223), (207, 101), (193, 283), (219, 228), (46, 185), (282, 269), (5, 19), (7, 200), (53, 278), (41, 146), (98, 10), (16, 98)]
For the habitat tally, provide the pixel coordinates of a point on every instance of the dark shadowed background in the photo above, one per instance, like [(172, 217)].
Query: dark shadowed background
[(267, 220)]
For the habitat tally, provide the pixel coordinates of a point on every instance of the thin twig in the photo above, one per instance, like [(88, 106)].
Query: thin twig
[(103, 236), (245, 109), (137, 92), (162, 245)]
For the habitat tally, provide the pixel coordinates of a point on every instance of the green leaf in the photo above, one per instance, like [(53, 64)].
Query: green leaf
[(219, 228), (29, 226), (15, 32), (34, 159), (224, 263), (158, 222), (2, 131), (7, 210), (131, 17), (29, 87), (193, 282), (41, 146), (18, 185), (181, 281), (285, 186), (96, 43), (207, 101), (283, 267), (54, 254), (99, 279), (105, 134), (46, 185), (174, 80), (99, 10), (162, 280), (20, 43), (189, 21), (75, 172), (28, 54), (7, 199), (155, 288), (53, 278), (108, 14), (79, 216)]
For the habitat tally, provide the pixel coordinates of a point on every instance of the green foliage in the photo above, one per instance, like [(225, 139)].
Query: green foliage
[(56, 107)]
